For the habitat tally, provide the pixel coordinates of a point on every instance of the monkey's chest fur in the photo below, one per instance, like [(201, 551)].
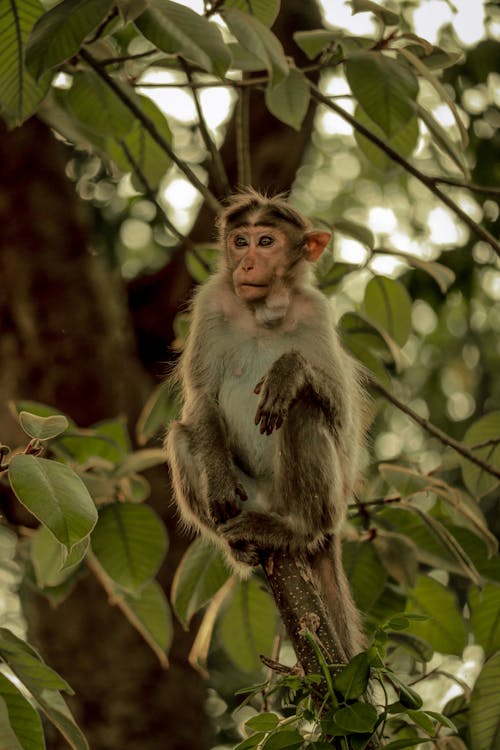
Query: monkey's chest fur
[(244, 364)]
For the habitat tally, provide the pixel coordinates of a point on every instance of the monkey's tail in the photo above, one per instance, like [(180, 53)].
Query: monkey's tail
[(333, 586)]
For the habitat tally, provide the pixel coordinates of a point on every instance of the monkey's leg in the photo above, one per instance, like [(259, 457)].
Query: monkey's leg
[(203, 475)]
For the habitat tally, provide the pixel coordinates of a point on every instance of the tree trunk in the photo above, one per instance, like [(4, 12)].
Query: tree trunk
[(67, 341)]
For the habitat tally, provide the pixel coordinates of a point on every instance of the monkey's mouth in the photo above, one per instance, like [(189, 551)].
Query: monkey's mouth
[(249, 285)]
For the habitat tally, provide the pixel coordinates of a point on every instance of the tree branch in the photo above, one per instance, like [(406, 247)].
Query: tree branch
[(435, 431), (152, 130), (218, 170), (429, 182)]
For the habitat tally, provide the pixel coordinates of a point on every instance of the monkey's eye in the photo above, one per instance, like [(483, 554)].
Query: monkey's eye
[(266, 241), (240, 241)]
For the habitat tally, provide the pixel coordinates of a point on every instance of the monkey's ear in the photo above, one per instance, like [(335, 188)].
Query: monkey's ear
[(315, 244)]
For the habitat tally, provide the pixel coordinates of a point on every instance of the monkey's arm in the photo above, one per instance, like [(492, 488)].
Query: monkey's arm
[(292, 377)]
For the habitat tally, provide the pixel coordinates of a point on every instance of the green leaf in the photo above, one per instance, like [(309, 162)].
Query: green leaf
[(28, 666), (406, 481), (314, 41), (200, 574), (388, 304), (384, 88), (417, 647), (289, 99), (445, 628), (56, 710), (201, 261), (162, 406), (248, 625), (404, 141), (357, 718), (264, 722), (421, 719), (371, 344), (55, 495), (20, 95), (129, 542), (284, 738), (137, 151), (265, 11), (251, 742), (8, 738), (352, 681), (402, 744), (258, 40), (60, 33), (485, 617), (484, 722), (43, 428), (408, 697), (34, 407), (365, 573), (328, 281), (484, 432), (386, 16), (149, 613), (97, 107), (173, 28), (50, 559), (442, 275), (20, 725)]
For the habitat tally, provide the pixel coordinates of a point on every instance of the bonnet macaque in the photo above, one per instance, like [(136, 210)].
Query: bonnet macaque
[(266, 454)]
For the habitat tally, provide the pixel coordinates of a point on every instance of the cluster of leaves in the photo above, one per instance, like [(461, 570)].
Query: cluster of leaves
[(87, 493)]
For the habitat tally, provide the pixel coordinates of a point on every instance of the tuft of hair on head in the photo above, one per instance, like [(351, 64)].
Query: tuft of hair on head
[(248, 203)]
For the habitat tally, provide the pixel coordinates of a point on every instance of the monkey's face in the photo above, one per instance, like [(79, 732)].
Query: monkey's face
[(258, 255)]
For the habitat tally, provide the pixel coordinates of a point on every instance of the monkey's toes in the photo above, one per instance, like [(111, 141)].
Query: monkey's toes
[(245, 552)]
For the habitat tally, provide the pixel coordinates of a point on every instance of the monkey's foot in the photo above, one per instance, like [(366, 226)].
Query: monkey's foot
[(245, 552)]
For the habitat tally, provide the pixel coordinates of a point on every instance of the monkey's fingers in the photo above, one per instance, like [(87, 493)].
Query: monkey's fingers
[(259, 385), (241, 492)]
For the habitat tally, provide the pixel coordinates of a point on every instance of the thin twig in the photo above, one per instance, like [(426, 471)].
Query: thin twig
[(429, 182), (482, 189), (148, 125), (243, 139), (435, 431), (219, 173), (186, 242)]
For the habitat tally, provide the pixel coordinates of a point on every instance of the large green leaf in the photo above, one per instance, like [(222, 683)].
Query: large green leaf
[(97, 107), (51, 563), (173, 28), (372, 345), (314, 41), (56, 710), (359, 718), (28, 666), (43, 428), (259, 41), (482, 439), (485, 617), (365, 573), (289, 99), (388, 304), (384, 88), (55, 495), (162, 406), (20, 95), (386, 16), (200, 574), (137, 152), (130, 542), (352, 681), (20, 725), (445, 628), (149, 613), (484, 721), (247, 627), (60, 33), (264, 10), (404, 140)]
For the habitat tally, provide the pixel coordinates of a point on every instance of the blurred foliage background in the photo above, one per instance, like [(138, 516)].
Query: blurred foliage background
[(123, 127)]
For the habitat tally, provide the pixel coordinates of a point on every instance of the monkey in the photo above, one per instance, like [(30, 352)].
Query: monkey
[(266, 453)]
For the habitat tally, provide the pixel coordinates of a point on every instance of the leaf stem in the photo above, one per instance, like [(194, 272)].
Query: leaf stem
[(433, 430), (429, 182)]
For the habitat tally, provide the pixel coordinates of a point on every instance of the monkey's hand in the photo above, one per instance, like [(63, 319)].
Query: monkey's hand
[(225, 498), (278, 389)]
